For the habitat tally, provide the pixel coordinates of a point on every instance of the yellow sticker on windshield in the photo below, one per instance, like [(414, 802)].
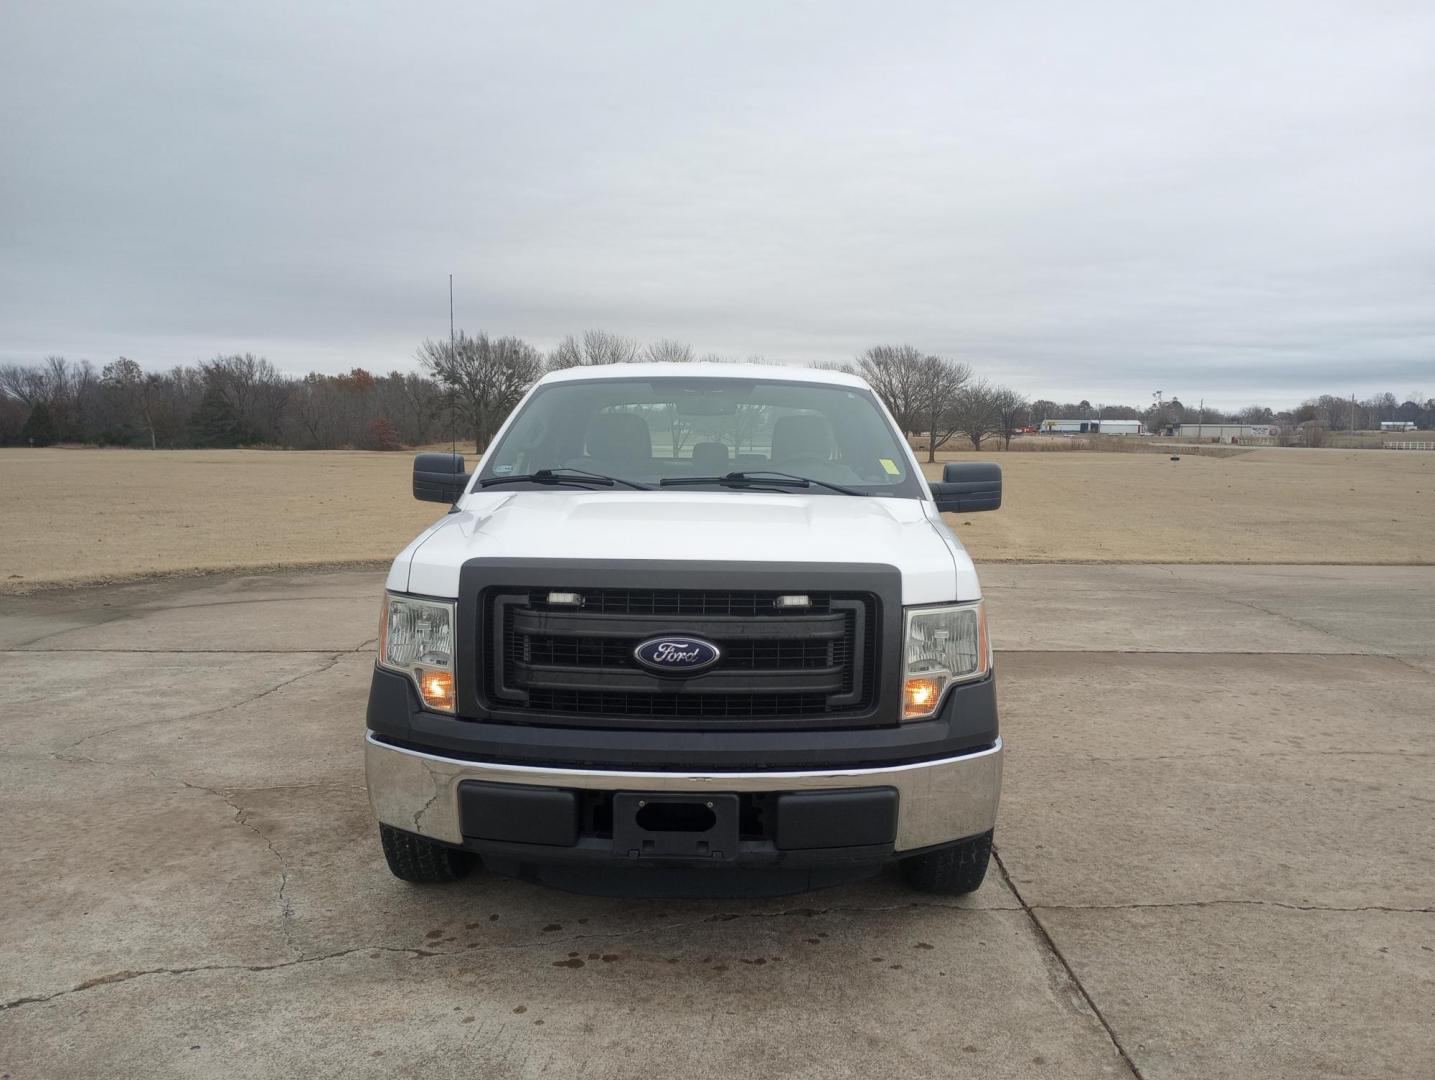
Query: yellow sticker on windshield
[(891, 466)]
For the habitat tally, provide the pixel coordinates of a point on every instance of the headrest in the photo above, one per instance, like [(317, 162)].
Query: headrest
[(710, 457), (804, 435), (619, 437)]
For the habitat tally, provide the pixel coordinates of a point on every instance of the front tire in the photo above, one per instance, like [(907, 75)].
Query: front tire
[(423, 862), (954, 871)]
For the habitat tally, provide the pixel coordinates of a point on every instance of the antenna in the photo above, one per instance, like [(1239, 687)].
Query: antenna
[(453, 361)]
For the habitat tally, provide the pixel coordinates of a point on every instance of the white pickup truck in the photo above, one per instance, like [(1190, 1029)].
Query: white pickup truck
[(689, 628)]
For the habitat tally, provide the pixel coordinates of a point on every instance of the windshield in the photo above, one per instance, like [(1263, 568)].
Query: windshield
[(646, 431)]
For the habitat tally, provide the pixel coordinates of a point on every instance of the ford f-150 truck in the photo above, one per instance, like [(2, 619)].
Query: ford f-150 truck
[(689, 623)]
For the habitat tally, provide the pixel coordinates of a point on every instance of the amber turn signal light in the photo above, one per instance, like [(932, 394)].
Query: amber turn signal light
[(436, 688), (920, 696)]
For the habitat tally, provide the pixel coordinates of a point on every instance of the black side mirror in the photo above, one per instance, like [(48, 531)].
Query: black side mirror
[(968, 487), (439, 477)]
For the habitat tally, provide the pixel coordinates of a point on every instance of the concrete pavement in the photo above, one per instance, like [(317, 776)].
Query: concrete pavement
[(1217, 855)]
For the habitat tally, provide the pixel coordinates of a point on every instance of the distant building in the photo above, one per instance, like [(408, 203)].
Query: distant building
[(1397, 425), (1194, 429), (1092, 427)]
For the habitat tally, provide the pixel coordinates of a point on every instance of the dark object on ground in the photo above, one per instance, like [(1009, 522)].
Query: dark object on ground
[(1176, 457)]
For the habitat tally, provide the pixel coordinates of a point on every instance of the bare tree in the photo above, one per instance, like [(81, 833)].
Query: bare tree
[(253, 389), (67, 389), (416, 403), (601, 347), (1255, 414), (486, 375), (311, 407), (26, 385), (897, 373), (668, 351), (976, 412), (1013, 414), (595, 347), (941, 382), (566, 354)]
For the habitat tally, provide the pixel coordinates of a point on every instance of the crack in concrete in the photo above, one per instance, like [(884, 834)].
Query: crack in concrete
[(148, 609), (328, 665), (1046, 939), (125, 976), (415, 952), (139, 613), (241, 818), (1226, 597), (286, 909), (117, 616), (60, 754), (1236, 752), (32, 590), (1222, 903), (1182, 652)]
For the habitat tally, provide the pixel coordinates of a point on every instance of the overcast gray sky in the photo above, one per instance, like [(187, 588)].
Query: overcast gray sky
[(1234, 200)]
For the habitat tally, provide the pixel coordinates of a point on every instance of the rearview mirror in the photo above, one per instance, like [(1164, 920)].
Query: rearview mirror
[(439, 477), (967, 487)]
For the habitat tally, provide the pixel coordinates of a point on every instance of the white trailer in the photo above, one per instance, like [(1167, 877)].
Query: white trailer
[(1092, 427)]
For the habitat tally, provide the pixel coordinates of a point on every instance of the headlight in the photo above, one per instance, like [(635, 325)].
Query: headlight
[(944, 645), (416, 638)]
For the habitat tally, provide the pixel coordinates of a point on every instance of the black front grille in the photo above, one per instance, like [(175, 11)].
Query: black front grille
[(778, 663)]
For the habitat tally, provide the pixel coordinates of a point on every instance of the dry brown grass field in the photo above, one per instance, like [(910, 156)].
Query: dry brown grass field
[(93, 515)]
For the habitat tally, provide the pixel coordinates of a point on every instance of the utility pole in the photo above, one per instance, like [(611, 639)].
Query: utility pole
[(452, 357), (1352, 414), (1160, 411), (1201, 423)]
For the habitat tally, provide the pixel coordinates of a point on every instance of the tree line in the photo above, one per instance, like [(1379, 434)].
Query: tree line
[(468, 386)]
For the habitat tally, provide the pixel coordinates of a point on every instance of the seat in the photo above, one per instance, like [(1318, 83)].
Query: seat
[(620, 439), (805, 437), (710, 458)]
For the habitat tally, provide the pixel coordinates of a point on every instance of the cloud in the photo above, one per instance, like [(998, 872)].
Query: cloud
[(1084, 200)]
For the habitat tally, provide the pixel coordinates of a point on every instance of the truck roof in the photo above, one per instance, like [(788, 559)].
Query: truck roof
[(702, 370)]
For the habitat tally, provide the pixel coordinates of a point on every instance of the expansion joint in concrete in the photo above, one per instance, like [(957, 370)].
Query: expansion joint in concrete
[(1065, 965)]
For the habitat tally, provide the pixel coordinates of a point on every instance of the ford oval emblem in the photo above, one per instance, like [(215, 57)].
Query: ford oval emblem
[(675, 655)]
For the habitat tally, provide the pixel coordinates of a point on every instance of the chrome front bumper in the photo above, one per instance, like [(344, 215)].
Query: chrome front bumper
[(938, 801)]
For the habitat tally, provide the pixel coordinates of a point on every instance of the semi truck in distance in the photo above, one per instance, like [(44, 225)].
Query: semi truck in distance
[(689, 628)]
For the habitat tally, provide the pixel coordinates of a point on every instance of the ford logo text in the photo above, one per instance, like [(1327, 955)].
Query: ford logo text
[(677, 655)]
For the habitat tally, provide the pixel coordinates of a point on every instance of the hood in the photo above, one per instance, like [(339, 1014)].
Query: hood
[(698, 526)]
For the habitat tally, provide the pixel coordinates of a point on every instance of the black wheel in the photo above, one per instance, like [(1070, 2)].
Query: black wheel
[(953, 870), (421, 861)]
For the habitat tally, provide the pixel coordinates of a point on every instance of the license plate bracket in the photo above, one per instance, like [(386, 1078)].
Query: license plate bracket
[(675, 826)]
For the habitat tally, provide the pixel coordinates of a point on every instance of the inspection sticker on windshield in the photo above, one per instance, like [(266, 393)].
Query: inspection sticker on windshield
[(891, 466)]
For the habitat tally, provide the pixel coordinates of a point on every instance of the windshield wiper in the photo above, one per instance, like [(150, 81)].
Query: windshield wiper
[(757, 477), (563, 475)]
